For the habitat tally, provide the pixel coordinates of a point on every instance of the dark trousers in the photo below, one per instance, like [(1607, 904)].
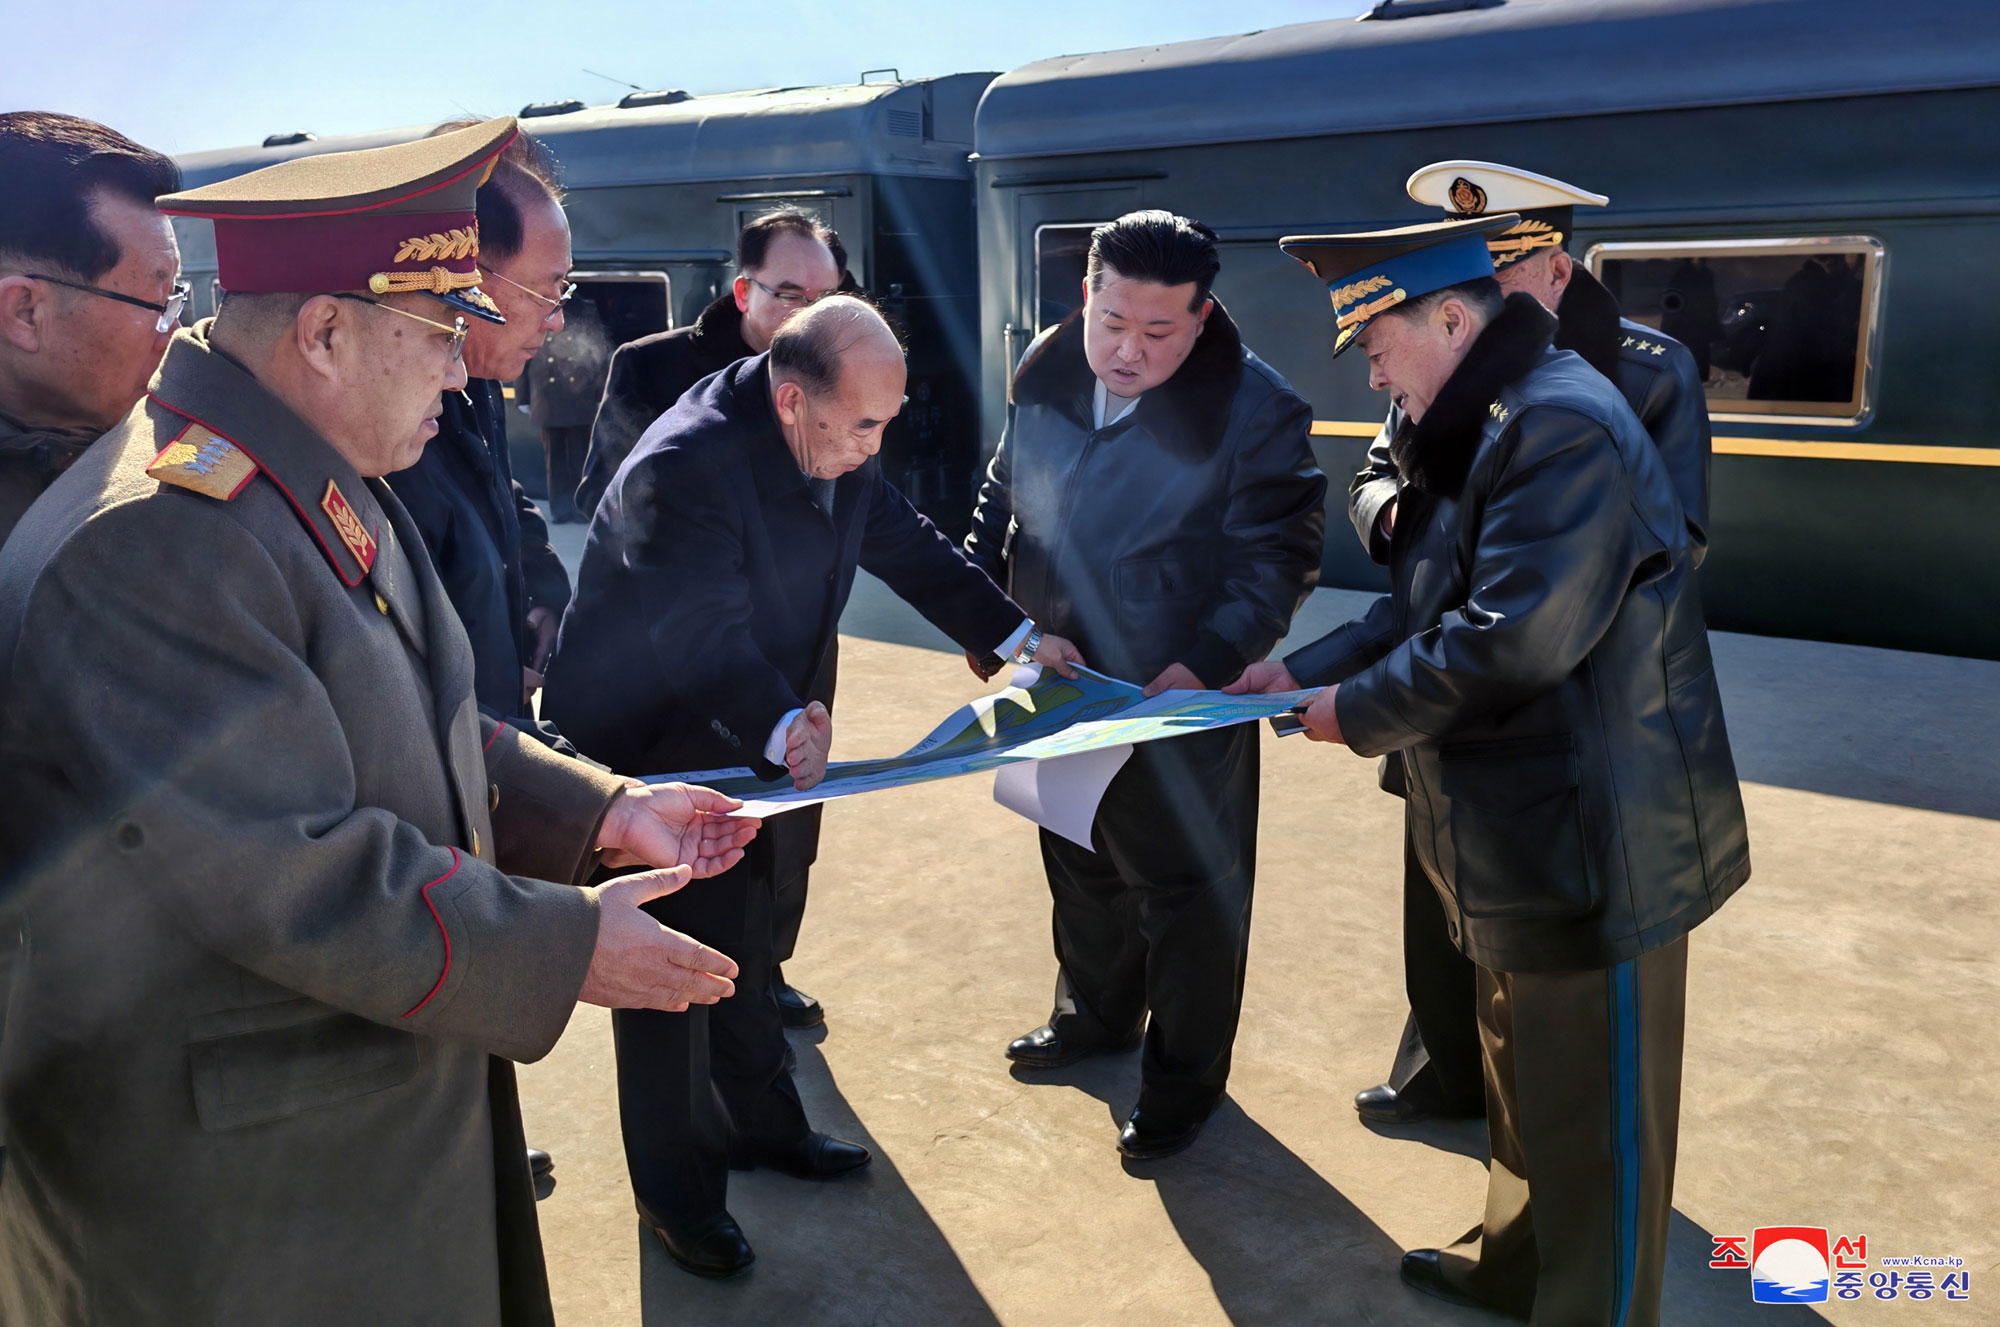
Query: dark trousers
[(788, 913), (688, 1082), (564, 449), (1583, 1091), (1158, 917), (1437, 1066)]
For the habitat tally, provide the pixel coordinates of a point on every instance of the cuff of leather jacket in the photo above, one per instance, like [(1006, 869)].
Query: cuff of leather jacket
[(548, 808), (1214, 660), (1369, 724)]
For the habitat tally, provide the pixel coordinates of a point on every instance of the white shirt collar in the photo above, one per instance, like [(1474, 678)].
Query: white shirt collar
[(1101, 401)]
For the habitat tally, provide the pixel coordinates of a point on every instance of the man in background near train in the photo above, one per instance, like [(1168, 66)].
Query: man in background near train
[(90, 292), (1542, 665), (705, 614), (1436, 1068), (786, 260), (1154, 497), (293, 905), (486, 537)]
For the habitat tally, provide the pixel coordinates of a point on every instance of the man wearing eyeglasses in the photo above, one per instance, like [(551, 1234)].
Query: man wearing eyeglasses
[(90, 290), (293, 905)]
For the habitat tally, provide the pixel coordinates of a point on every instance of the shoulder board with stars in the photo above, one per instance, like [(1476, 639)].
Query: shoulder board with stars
[(1641, 347), (204, 462)]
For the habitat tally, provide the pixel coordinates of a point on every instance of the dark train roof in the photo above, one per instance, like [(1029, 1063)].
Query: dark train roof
[(872, 129), (1563, 57)]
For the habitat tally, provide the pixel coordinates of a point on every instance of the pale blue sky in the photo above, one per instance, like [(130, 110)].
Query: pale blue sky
[(182, 76)]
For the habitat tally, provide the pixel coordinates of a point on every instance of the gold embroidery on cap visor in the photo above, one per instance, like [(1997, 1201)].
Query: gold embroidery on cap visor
[(437, 247), (1467, 198), (1519, 240), (1351, 322)]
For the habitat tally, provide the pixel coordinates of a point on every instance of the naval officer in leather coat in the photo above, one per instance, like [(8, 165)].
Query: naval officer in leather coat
[(1543, 669)]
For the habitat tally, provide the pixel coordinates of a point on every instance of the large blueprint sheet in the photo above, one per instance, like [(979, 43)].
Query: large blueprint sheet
[(1039, 716)]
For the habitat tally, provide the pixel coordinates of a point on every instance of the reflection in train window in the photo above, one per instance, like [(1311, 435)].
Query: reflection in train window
[(1060, 255), (1779, 328)]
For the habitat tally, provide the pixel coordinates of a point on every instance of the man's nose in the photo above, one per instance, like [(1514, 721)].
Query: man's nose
[(554, 322), (1128, 350), (1376, 382), (456, 377)]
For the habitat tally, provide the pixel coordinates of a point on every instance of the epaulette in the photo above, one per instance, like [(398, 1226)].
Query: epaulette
[(1641, 348), (204, 462)]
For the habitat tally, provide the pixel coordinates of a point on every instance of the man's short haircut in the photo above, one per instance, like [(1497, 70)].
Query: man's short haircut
[(1482, 295), (52, 167), (753, 245), (525, 172), (1155, 246), (807, 349)]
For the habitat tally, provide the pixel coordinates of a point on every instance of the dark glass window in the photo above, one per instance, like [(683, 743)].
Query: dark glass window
[(1061, 252), (1777, 327)]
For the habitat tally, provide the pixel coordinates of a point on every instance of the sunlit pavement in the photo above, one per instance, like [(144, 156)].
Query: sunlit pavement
[(1840, 1062)]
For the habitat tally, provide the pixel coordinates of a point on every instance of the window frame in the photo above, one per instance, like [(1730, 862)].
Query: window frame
[(1036, 289), (1859, 409)]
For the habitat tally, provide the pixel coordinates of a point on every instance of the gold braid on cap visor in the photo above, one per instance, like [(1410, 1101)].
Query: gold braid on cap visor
[(1517, 242), (437, 281)]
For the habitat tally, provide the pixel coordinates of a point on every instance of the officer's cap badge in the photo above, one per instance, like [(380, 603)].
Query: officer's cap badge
[(1467, 198)]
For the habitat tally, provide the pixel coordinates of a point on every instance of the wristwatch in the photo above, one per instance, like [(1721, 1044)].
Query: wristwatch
[(1025, 652)]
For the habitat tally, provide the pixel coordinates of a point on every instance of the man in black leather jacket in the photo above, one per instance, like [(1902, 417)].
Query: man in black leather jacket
[(1436, 1068), (1543, 668), (1155, 499)]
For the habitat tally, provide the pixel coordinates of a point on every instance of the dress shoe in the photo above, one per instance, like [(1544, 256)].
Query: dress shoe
[(1423, 1271), (1382, 1104), (798, 1009), (540, 1164), (1149, 1135), (1046, 1048), (814, 1156), (712, 1248)]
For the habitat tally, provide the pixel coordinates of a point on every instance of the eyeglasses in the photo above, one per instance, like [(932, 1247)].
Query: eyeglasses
[(555, 305), (170, 312), (456, 331), (791, 299)]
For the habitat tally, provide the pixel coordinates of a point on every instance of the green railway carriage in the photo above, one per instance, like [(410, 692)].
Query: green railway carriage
[(660, 183), (1746, 147)]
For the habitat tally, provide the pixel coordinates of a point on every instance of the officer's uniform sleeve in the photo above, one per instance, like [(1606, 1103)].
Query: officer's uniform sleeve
[(548, 806), (1555, 556), (1373, 489), (175, 686), (1675, 413)]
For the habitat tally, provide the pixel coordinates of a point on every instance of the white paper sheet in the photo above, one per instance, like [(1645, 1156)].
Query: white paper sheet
[(1061, 794)]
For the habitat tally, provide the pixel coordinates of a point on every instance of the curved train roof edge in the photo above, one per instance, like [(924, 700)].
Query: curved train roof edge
[(1565, 58), (862, 129)]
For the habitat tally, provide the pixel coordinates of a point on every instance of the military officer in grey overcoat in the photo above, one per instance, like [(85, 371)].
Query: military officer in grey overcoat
[(291, 904)]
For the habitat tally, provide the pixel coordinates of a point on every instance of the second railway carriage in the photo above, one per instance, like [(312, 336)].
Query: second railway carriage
[(659, 184), (1749, 149)]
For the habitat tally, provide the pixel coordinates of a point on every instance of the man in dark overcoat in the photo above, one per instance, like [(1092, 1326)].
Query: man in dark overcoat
[(1436, 1067), (291, 904), (1543, 669), (705, 613)]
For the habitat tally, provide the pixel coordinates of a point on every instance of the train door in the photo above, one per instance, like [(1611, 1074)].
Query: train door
[(1051, 242), (835, 206)]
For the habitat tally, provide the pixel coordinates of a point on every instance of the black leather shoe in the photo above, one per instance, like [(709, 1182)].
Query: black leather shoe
[(540, 1164), (713, 1248), (798, 1009), (1422, 1271), (816, 1156), (1046, 1048), (1382, 1104), (1149, 1136)]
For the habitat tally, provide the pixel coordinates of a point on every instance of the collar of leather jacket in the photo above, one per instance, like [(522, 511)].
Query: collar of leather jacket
[(1436, 454), (1587, 322), (1188, 411)]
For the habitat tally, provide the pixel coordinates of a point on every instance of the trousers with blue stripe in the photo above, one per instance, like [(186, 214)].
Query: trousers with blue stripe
[(1583, 1090)]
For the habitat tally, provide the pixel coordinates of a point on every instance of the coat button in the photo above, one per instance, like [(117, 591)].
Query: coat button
[(475, 843), (492, 797)]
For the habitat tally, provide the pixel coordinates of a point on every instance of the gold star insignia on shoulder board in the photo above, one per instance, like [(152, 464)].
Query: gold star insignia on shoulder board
[(1627, 344), (1498, 411), (1657, 348), (204, 462)]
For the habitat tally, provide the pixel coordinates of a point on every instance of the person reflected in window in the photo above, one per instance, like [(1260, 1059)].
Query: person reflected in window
[(1808, 354), (1689, 311)]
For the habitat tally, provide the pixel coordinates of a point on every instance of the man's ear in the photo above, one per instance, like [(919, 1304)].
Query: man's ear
[(24, 313), (319, 322), (786, 397), (1452, 318), (1561, 267), (1201, 319), (742, 292)]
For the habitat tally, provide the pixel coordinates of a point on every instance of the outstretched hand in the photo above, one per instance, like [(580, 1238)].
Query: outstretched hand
[(1174, 677), (807, 743), (1262, 678), (674, 824), (640, 964)]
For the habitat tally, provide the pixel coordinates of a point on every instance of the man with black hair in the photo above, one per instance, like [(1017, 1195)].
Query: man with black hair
[(1199, 538), (90, 291), (1542, 668), (1436, 1066), (702, 637), (786, 260)]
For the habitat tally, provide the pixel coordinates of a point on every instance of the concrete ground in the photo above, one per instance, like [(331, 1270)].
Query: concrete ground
[(1841, 1064)]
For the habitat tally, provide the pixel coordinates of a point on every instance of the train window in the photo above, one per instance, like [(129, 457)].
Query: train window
[(1780, 329), (1060, 254), (627, 305)]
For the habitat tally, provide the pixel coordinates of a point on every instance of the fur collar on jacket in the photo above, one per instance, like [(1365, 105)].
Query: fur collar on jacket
[(1587, 318), (718, 330), (1190, 409), (1436, 454)]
